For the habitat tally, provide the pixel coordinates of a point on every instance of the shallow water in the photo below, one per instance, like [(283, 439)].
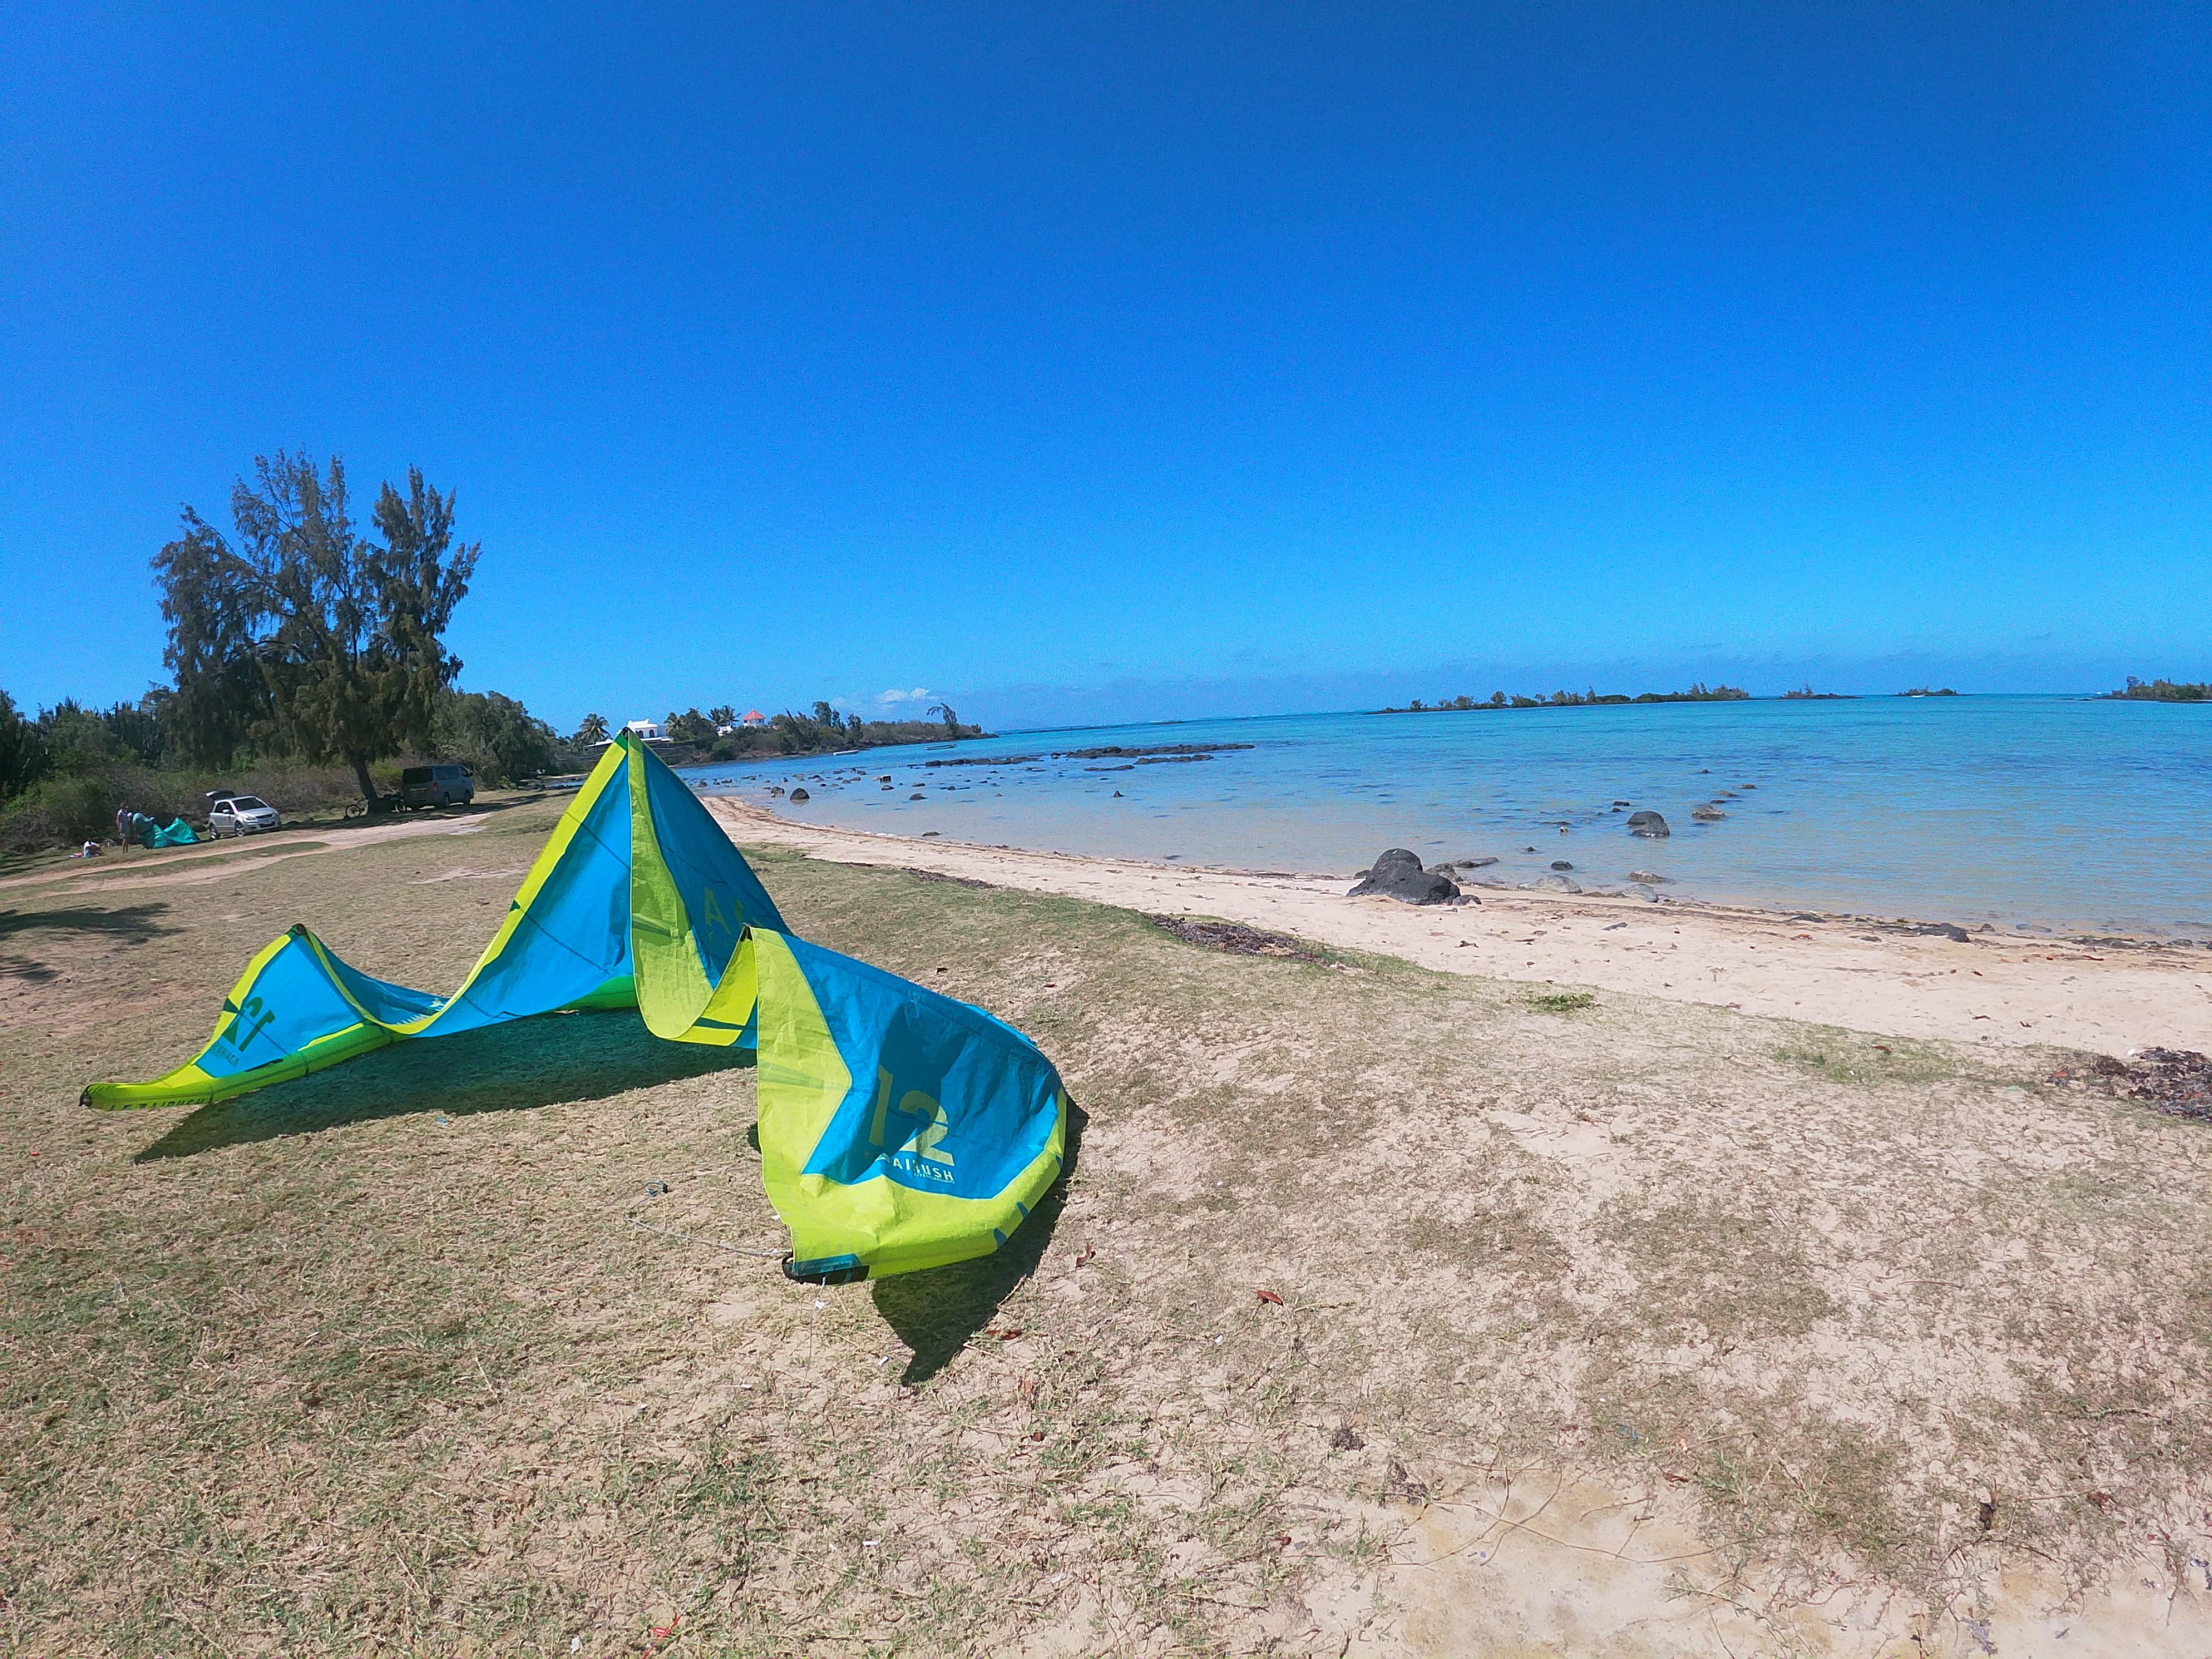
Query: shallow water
[(2060, 812)]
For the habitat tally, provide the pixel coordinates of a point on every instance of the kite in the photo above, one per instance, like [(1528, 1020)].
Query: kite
[(899, 1129)]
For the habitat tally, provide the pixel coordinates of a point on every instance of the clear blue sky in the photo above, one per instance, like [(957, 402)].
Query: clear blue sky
[(1079, 362)]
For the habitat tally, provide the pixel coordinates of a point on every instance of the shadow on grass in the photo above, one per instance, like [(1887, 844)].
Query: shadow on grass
[(547, 1060), (134, 924), (131, 924), (936, 1312)]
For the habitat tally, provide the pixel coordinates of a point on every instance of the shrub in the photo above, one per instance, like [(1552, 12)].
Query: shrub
[(58, 812)]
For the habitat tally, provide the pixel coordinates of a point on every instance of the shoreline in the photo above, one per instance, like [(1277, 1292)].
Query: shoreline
[(2107, 996)]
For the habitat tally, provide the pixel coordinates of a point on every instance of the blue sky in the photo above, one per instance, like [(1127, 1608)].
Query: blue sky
[(1082, 362)]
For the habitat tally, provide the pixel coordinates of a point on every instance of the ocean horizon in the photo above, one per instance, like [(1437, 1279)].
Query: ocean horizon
[(2058, 812)]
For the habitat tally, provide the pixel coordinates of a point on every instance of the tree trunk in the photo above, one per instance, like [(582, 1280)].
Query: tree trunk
[(367, 788)]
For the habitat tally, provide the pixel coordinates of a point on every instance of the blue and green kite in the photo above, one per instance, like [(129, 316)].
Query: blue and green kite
[(898, 1129)]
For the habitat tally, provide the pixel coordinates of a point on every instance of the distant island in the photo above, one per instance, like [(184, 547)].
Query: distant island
[(1805, 693), (2161, 691), (1699, 692), (1923, 691)]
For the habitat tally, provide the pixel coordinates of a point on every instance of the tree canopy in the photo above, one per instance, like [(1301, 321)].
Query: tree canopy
[(24, 756), (306, 634), (502, 741)]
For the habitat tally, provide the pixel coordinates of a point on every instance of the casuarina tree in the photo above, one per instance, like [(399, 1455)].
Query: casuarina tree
[(23, 758), (344, 634)]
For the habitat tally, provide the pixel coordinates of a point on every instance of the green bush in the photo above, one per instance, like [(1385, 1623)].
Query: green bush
[(58, 813)]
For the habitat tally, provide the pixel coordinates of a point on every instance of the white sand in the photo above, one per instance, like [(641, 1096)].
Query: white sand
[(1997, 988)]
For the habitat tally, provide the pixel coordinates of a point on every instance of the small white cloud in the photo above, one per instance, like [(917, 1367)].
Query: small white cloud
[(920, 693)]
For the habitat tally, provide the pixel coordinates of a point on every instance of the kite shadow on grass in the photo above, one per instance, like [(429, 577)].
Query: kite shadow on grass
[(547, 1060), (935, 1312)]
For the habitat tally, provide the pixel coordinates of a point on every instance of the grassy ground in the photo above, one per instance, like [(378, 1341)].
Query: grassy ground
[(402, 1358)]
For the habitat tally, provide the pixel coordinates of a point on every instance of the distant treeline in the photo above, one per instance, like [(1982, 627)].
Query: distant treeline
[(66, 770), (2163, 691), (1699, 692), (717, 734)]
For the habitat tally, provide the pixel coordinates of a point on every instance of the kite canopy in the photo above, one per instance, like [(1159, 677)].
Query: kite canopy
[(898, 1129), (147, 833)]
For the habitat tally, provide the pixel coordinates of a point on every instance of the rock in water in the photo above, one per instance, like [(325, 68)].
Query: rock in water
[(1646, 875), (1706, 814), (1561, 864), (1398, 874), (800, 794), (1648, 823)]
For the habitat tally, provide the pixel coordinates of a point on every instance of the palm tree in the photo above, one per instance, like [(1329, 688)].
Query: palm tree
[(593, 730)]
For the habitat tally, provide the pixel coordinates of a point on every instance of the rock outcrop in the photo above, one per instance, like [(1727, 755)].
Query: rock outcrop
[(1648, 823), (1398, 874)]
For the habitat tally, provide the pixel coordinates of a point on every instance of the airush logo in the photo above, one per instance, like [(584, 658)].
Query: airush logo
[(716, 919), (254, 1010), (921, 1154)]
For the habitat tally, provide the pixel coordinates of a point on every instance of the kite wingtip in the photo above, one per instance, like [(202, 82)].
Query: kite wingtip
[(826, 1270)]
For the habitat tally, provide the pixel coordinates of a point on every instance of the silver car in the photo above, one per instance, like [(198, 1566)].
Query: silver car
[(239, 815)]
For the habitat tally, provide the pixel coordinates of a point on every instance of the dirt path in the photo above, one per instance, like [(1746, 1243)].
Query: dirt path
[(216, 861), (1995, 989)]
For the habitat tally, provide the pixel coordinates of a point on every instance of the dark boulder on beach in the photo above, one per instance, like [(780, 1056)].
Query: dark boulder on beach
[(1648, 823), (800, 794), (1398, 874), (1393, 855)]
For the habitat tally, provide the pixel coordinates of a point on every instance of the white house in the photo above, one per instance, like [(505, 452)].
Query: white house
[(651, 730)]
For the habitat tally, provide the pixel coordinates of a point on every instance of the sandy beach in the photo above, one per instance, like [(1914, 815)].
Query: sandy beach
[(2110, 997)]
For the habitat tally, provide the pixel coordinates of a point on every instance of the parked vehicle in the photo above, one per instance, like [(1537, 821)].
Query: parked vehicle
[(230, 813), (442, 785)]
